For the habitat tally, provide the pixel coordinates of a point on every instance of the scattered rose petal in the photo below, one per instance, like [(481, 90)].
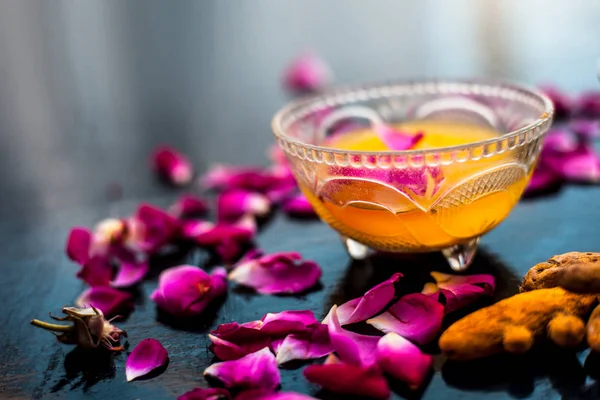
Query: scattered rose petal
[(416, 316), (206, 394), (559, 141), (286, 322), (352, 348), (147, 356), (277, 273), (234, 204), (299, 206), (397, 140), (542, 180), (373, 301), (172, 165), (581, 165), (586, 129), (132, 269), (88, 330), (257, 370), (105, 298), (305, 346), (221, 177), (588, 104), (349, 379), (186, 290), (563, 104), (306, 73), (79, 243), (267, 395), (151, 228), (189, 205), (232, 341), (97, 271), (228, 239), (462, 290), (403, 360), (192, 228)]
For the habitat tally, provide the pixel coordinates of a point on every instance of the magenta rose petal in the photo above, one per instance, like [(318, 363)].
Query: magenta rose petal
[(286, 322), (581, 165), (232, 340), (403, 360), (349, 379), (462, 290), (172, 165), (147, 356), (416, 316), (97, 271), (306, 73), (586, 129), (299, 206), (352, 348), (588, 104), (221, 177), (132, 269), (278, 273), (234, 204), (563, 104), (258, 394), (193, 227), (541, 180), (152, 228), (373, 301), (397, 140), (228, 239), (256, 370), (189, 205), (186, 290), (305, 346), (206, 394), (108, 300), (79, 244)]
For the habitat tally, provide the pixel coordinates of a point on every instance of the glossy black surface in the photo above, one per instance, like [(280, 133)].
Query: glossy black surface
[(87, 89)]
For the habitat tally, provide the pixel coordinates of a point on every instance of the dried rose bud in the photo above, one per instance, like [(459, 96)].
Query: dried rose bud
[(89, 329)]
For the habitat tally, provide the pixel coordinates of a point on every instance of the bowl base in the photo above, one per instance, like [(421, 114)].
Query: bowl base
[(459, 257)]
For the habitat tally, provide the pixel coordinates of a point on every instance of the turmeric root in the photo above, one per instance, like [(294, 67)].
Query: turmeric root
[(516, 323), (593, 330), (548, 273)]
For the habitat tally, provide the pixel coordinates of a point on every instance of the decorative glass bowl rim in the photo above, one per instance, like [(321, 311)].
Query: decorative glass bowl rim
[(306, 105)]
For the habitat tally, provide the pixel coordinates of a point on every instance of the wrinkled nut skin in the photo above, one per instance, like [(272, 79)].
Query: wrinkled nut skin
[(566, 330), (482, 333), (517, 339), (580, 278), (548, 273), (593, 330)]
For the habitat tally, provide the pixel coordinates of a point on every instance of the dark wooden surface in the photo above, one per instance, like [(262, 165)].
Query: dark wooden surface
[(86, 91)]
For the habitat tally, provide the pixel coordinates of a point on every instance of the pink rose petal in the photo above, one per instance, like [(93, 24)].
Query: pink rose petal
[(541, 180), (373, 301), (97, 271), (232, 341), (352, 348), (192, 228), (397, 140), (257, 370), (586, 129), (581, 165), (349, 379), (563, 104), (305, 346), (462, 290), (268, 395), (588, 104), (206, 394), (306, 73), (79, 243), (172, 165), (277, 273), (287, 322), (147, 356), (152, 228), (228, 240), (299, 206), (403, 360), (416, 316), (234, 204), (256, 179), (559, 141), (186, 290), (108, 300), (189, 205), (132, 268)]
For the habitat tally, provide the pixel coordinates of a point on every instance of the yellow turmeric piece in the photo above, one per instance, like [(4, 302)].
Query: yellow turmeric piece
[(516, 323), (548, 273)]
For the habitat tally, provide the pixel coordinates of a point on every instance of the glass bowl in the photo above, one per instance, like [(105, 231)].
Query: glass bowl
[(439, 199)]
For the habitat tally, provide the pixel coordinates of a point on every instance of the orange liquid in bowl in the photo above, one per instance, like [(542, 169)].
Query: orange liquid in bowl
[(472, 198)]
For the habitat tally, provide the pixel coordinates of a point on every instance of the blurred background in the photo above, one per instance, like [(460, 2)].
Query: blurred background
[(88, 88)]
